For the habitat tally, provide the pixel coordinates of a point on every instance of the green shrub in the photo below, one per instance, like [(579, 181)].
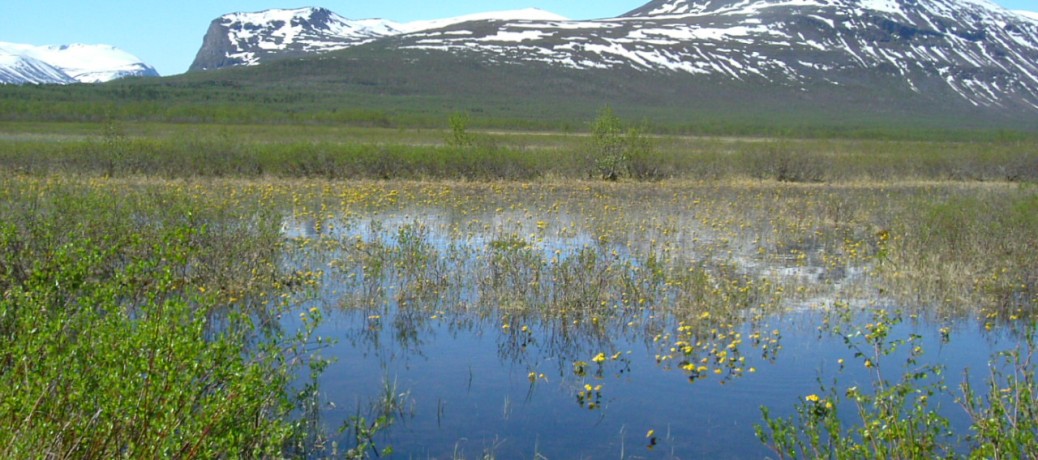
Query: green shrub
[(892, 418), (615, 151), (902, 418), (121, 336)]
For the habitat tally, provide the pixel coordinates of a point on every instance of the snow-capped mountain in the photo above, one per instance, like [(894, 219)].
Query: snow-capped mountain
[(969, 49), (65, 64), (250, 38), (980, 51)]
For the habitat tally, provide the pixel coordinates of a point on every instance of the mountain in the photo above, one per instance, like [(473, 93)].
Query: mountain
[(889, 60), (65, 64), (250, 38), (977, 50)]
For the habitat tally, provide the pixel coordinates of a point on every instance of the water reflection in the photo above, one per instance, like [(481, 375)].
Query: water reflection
[(521, 338)]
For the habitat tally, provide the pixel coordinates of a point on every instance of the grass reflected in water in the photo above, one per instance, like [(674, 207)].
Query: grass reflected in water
[(597, 298)]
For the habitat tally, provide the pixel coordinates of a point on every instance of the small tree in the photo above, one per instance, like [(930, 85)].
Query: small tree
[(642, 163), (613, 148), (459, 136), (115, 148), (607, 147)]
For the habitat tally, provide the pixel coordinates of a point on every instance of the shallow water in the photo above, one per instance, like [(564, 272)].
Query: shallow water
[(463, 353), (469, 392)]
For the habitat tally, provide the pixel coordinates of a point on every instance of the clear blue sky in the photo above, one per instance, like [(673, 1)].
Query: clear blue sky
[(167, 34)]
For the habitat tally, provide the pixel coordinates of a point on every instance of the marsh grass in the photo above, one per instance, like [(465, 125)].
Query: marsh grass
[(568, 268), (967, 248), (948, 246)]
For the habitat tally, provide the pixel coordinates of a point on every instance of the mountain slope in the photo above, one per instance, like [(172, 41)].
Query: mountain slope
[(65, 64)]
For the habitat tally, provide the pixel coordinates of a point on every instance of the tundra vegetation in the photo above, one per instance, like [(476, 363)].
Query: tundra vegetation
[(164, 285)]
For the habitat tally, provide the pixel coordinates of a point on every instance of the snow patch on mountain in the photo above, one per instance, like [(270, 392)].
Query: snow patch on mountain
[(885, 6), (63, 64)]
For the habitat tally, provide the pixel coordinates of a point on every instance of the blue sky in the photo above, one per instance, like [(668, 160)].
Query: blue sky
[(168, 34)]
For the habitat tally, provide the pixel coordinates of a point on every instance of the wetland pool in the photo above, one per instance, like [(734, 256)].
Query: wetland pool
[(630, 333)]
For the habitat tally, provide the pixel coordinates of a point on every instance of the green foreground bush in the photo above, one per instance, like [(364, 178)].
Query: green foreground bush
[(897, 413), (122, 336)]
